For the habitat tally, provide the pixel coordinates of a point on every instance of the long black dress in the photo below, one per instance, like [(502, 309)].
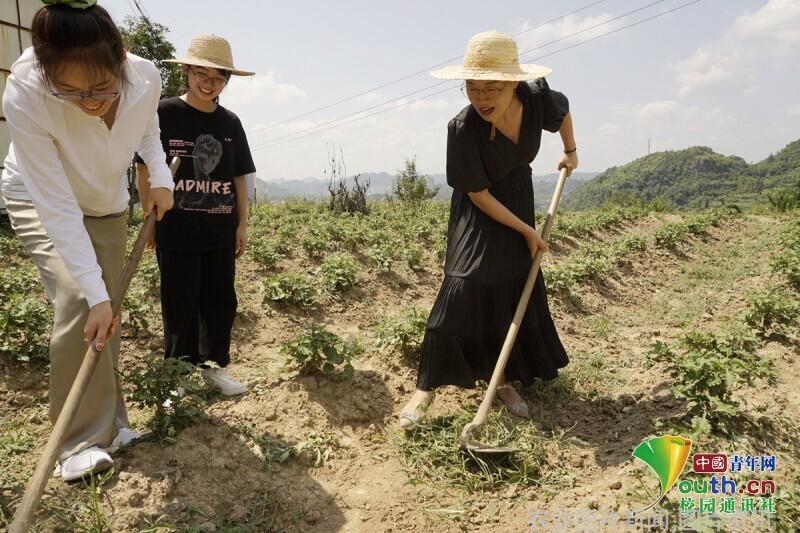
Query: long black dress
[(487, 262)]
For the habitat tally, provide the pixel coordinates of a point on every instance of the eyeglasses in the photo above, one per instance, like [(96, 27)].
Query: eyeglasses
[(216, 81), (79, 97), (472, 92)]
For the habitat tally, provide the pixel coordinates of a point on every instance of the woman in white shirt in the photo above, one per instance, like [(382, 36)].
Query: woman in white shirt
[(78, 107)]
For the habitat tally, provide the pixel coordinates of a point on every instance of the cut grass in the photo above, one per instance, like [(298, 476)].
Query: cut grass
[(432, 453)]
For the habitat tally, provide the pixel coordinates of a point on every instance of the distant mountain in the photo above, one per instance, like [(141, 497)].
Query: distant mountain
[(780, 169), (694, 177), (381, 186), (544, 186)]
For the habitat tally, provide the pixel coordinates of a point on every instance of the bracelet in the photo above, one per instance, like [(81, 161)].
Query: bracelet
[(571, 151)]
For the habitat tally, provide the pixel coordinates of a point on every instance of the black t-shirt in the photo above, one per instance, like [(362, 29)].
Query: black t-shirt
[(213, 150)]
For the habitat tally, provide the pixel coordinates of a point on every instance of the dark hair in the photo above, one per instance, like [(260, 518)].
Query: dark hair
[(88, 37)]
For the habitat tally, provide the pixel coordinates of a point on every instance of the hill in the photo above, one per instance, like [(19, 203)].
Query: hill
[(694, 177)]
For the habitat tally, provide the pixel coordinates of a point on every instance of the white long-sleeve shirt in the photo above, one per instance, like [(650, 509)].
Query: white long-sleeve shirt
[(69, 164)]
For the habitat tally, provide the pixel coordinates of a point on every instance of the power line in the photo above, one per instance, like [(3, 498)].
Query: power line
[(306, 133), (358, 115), (413, 74), (142, 9), (399, 98)]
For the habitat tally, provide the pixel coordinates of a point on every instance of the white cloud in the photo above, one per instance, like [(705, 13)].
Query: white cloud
[(242, 91), (536, 37), (793, 111), (778, 20), (768, 35), (709, 68)]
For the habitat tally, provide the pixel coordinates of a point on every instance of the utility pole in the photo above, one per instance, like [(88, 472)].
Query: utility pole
[(648, 146)]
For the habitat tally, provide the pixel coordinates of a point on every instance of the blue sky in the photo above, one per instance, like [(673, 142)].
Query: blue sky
[(720, 73)]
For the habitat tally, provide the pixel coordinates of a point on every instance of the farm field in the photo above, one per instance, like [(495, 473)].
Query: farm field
[(654, 308)]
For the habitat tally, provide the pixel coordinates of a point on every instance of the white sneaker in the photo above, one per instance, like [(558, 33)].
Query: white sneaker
[(124, 437), (89, 461), (219, 378)]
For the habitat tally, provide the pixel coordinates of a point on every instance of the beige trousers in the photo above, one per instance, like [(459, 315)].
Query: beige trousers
[(102, 410)]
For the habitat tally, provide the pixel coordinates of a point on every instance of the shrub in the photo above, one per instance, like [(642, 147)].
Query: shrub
[(707, 370), (622, 199), (413, 256), (265, 251), (338, 272), (25, 322), (137, 307), (292, 289), (10, 243), (403, 333), (344, 199), (660, 205), (787, 264), (319, 351), (787, 261), (670, 235), (315, 242), (771, 310), (148, 271), (785, 199), (440, 246), (170, 387), (25, 316), (629, 244), (17, 281), (411, 187), (577, 269), (382, 256)]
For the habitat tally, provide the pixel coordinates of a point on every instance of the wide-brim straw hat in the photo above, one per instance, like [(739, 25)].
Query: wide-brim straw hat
[(212, 51), (491, 55)]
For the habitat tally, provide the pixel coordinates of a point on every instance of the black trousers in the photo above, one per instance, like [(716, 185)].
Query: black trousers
[(198, 304)]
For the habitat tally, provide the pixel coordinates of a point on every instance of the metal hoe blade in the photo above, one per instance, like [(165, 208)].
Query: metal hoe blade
[(475, 446)]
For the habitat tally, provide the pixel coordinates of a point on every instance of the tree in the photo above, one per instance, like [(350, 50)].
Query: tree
[(412, 187), (148, 40)]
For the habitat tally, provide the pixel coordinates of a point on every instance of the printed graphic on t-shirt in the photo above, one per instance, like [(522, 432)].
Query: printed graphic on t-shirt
[(202, 192)]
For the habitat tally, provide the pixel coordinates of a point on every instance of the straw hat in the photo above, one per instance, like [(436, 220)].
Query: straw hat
[(491, 55), (208, 50)]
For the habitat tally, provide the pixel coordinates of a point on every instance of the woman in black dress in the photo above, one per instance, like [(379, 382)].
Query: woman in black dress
[(491, 237)]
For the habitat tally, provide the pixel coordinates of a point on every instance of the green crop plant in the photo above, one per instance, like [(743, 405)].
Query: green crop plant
[(291, 289), (339, 272), (171, 388), (319, 351), (707, 370), (403, 333), (771, 310)]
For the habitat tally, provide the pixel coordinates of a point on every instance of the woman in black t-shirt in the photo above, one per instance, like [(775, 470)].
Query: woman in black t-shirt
[(491, 237), (198, 243)]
